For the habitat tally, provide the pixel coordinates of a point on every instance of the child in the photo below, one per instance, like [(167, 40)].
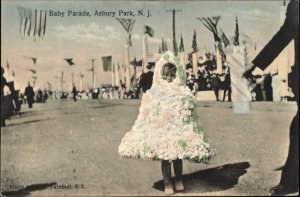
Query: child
[(166, 128)]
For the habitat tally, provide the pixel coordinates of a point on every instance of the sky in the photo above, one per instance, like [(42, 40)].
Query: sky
[(84, 38)]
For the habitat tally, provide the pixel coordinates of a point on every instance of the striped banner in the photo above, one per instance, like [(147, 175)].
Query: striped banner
[(32, 22)]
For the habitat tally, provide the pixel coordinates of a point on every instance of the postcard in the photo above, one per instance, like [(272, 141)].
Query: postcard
[(149, 98)]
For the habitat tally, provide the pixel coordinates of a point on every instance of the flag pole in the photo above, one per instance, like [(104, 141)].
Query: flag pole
[(113, 75), (81, 81), (61, 82), (117, 77), (145, 53), (127, 67), (93, 74), (195, 64)]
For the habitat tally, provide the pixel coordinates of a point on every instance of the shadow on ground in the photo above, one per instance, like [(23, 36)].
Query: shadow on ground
[(30, 188), (27, 122), (212, 179), (103, 106)]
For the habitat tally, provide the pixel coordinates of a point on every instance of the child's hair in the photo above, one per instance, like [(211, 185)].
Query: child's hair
[(169, 69)]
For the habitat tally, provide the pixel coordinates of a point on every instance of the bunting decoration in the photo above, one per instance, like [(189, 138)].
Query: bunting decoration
[(128, 26), (107, 63), (34, 59), (32, 22), (7, 65), (69, 61), (149, 31), (34, 80), (32, 71), (134, 62)]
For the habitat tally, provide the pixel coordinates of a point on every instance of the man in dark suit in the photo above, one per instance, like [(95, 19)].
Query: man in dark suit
[(30, 95), (146, 79), (289, 31)]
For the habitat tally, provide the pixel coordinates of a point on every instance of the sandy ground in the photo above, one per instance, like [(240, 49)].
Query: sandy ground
[(74, 145)]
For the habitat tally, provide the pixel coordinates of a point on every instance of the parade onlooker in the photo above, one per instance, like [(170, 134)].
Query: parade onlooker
[(29, 95), (39, 96), (226, 85), (45, 96), (216, 85), (146, 79), (74, 92), (3, 84)]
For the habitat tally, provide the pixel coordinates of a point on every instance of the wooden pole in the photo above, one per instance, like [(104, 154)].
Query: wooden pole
[(219, 62), (195, 64), (145, 53), (81, 82), (93, 73), (127, 56)]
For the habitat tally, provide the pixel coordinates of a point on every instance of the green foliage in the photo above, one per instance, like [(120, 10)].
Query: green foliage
[(146, 148), (157, 109), (181, 75), (166, 57), (182, 143)]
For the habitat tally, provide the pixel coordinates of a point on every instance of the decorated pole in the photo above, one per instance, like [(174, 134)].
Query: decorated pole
[(117, 77), (81, 82), (241, 95), (219, 61), (61, 81), (72, 78), (122, 74), (145, 53), (93, 73), (113, 75), (126, 63), (195, 64)]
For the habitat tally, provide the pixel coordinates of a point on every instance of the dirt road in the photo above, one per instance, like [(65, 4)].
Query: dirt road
[(70, 148)]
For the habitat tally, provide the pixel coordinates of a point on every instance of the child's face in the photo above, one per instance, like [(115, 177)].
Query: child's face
[(169, 73), (170, 77)]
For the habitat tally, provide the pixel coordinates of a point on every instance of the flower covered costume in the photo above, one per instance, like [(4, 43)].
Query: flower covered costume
[(166, 127)]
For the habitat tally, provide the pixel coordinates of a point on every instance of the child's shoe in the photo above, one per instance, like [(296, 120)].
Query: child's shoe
[(179, 186), (169, 189)]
